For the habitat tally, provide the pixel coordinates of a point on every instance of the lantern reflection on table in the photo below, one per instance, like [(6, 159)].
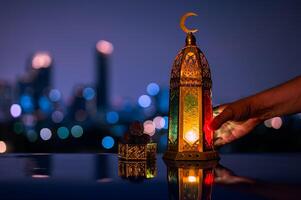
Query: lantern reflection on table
[(189, 180), (190, 109), (137, 170)]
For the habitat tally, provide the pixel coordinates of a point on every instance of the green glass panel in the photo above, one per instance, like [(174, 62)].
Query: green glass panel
[(173, 116)]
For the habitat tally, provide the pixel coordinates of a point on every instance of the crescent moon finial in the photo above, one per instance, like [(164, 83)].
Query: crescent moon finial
[(182, 23)]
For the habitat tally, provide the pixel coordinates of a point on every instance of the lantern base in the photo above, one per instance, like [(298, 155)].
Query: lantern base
[(208, 155)]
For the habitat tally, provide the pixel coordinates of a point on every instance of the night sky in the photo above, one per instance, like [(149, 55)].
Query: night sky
[(251, 45)]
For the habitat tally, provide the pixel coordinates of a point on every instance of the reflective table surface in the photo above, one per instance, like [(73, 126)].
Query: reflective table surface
[(103, 176)]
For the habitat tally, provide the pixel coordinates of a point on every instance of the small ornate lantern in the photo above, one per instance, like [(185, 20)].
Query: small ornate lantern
[(190, 106)]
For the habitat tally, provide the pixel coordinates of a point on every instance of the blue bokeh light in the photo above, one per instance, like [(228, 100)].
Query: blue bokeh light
[(88, 93), (144, 101), (166, 122), (45, 104), (77, 131), (153, 89), (112, 117), (54, 95), (26, 103), (108, 142), (63, 133)]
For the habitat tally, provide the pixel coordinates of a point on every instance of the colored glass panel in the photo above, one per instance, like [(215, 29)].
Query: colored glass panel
[(173, 116), (191, 115), (207, 119)]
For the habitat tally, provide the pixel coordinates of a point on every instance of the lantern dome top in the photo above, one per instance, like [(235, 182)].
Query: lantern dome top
[(190, 39)]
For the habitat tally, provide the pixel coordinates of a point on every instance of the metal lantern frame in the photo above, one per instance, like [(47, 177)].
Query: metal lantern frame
[(190, 106)]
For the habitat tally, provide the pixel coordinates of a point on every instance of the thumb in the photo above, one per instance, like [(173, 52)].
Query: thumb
[(226, 115)]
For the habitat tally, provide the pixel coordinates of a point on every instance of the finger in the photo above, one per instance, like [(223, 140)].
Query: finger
[(226, 115)]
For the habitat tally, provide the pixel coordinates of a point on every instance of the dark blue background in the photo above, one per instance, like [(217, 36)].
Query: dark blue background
[(250, 44)]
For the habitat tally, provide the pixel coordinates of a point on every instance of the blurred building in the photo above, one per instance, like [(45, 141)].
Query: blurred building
[(103, 50), (34, 85), (6, 97)]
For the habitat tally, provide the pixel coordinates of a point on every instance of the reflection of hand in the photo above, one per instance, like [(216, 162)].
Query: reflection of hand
[(225, 176), (231, 130)]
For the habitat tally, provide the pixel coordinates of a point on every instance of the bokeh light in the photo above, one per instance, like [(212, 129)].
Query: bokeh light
[(77, 131), (45, 104), (276, 122), (29, 120), (107, 142), (88, 93), (104, 47), (63, 132), (26, 103), (153, 89), (15, 110), (55, 95), (159, 122), (3, 147), (57, 116), (31, 135), (166, 122), (112, 117), (149, 127), (45, 133), (18, 127), (144, 101), (267, 123), (41, 60)]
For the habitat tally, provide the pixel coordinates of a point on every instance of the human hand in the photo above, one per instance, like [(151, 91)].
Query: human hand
[(232, 121)]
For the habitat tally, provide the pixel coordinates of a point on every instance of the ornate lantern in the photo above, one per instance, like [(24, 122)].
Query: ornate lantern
[(190, 106)]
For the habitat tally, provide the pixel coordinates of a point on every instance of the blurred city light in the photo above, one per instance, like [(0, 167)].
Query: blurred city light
[(166, 122), (267, 123), (276, 122), (104, 47), (45, 104), (31, 135), (63, 132), (149, 127), (88, 93), (3, 147), (107, 142), (159, 122), (57, 116), (112, 117), (45, 133), (15, 110), (29, 120), (153, 89), (144, 101), (41, 60), (26, 103), (54, 95), (77, 131)]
